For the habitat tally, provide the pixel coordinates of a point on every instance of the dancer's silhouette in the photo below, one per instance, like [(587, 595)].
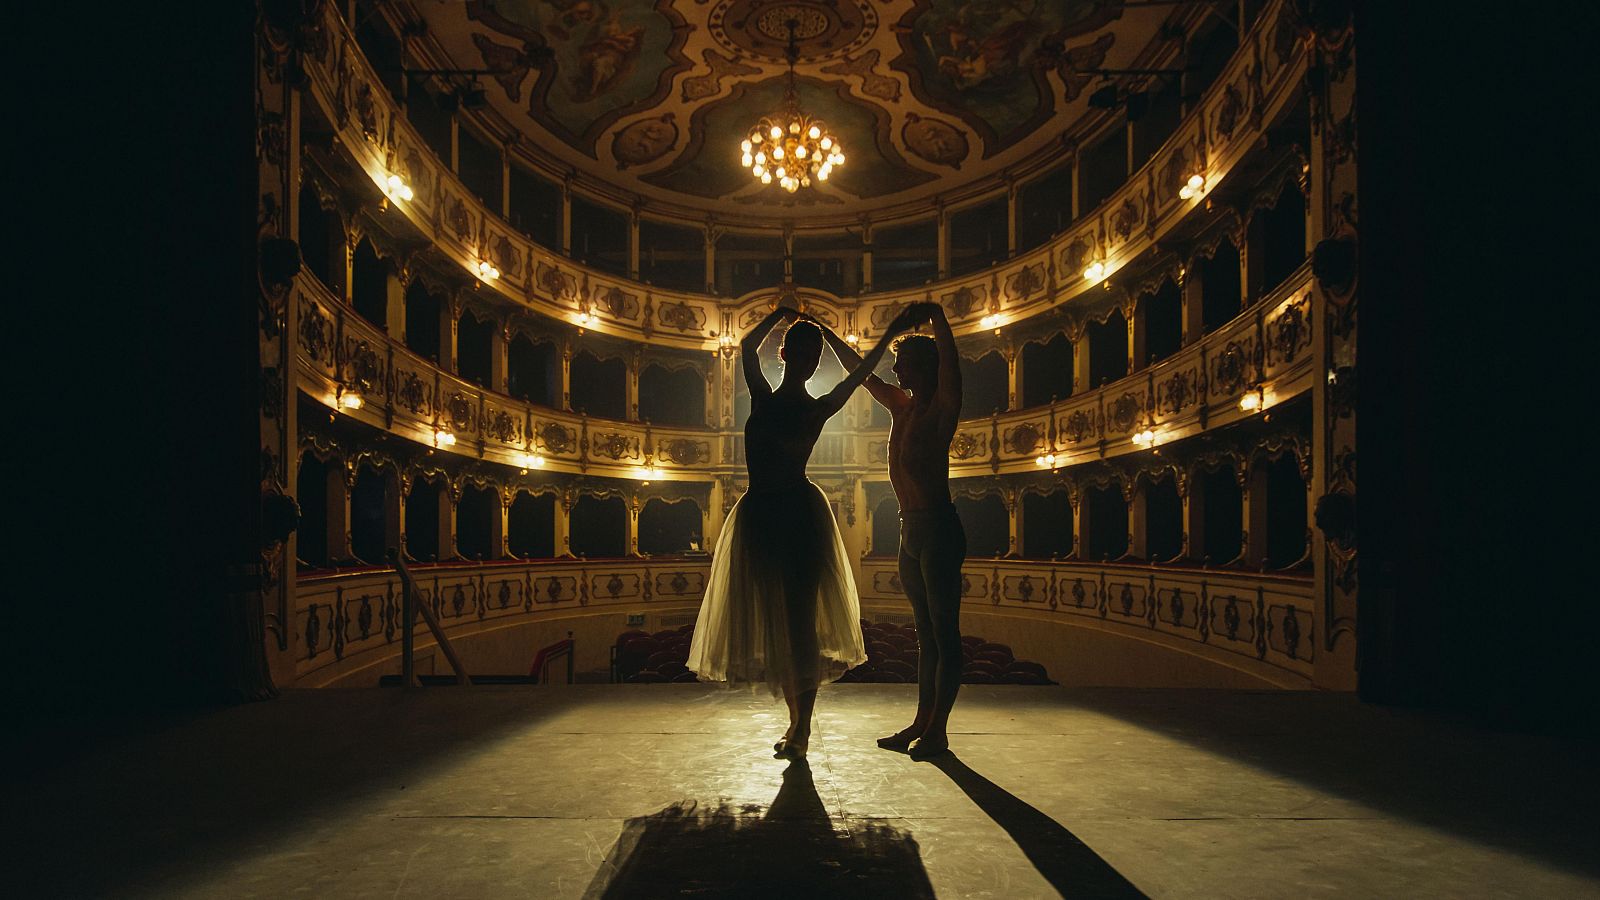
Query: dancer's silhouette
[(925, 409), (780, 605)]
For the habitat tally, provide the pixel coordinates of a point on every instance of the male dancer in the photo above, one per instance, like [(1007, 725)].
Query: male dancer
[(925, 409)]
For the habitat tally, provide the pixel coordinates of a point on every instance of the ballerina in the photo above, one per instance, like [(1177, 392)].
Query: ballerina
[(780, 606)]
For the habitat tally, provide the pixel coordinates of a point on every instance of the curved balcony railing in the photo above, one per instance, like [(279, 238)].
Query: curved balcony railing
[(1257, 85), (1262, 358), (1261, 624)]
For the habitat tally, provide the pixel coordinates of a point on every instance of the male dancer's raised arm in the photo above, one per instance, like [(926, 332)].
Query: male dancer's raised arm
[(861, 368)]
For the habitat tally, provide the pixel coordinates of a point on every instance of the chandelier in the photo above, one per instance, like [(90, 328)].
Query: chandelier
[(789, 146)]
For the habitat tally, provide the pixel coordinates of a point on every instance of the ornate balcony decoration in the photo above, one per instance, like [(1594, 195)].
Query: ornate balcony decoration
[(1258, 84)]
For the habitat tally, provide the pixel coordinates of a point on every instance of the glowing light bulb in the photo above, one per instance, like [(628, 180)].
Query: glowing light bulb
[(759, 170), (755, 137), (852, 339), (351, 400), (800, 151), (744, 146), (746, 160), (777, 153), (782, 172), (815, 132), (827, 143), (822, 174), (761, 159), (394, 182), (1197, 181), (794, 127), (776, 132), (1095, 271), (444, 438), (1144, 438), (1250, 402), (766, 178)]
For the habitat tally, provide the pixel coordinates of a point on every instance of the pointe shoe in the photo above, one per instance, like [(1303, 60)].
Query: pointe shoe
[(923, 748), (789, 749)]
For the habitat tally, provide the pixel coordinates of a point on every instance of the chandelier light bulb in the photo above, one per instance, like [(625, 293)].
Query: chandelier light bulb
[(777, 153), (766, 178), (776, 132), (815, 132), (800, 152), (746, 161), (744, 146)]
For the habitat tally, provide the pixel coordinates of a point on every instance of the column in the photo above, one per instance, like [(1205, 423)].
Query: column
[(1191, 284), (500, 359), (505, 183), (499, 524), (340, 480), (1254, 526), (566, 216), (566, 374), (633, 525), (634, 362), (1191, 492), (1080, 523), (394, 305), (711, 394), (1014, 521), (1077, 186), (563, 525), (449, 332), (449, 506), (1013, 357), (1080, 361), (943, 220), (1011, 218), (711, 257), (1138, 334), (394, 504), (455, 145), (1250, 257), (1139, 520), (633, 243), (866, 256)]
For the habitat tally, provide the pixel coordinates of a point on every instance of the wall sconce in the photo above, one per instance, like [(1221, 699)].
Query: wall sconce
[(396, 188), (443, 438), (992, 320), (586, 319), (485, 270), (725, 345), (527, 461), (1095, 271), (350, 400), (647, 472), (1192, 188), (1253, 400), (1048, 460), (852, 339), (1145, 438)]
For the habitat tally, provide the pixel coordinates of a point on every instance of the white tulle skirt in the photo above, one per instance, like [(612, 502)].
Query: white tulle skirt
[(781, 605)]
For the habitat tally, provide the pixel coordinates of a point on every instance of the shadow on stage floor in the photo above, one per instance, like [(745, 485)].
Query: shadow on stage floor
[(1070, 866), (793, 850)]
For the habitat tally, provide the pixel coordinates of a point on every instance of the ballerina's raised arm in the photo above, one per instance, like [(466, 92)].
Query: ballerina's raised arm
[(750, 351)]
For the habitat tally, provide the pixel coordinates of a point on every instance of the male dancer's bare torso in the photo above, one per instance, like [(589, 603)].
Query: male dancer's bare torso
[(919, 455)]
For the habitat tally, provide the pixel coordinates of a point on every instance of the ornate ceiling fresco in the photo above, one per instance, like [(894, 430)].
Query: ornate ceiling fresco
[(652, 96)]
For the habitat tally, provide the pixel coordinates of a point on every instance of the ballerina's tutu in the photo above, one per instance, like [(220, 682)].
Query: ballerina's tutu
[(780, 603)]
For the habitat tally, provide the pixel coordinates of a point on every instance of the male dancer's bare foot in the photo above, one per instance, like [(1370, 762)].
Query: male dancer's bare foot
[(792, 746), (929, 746), (902, 739)]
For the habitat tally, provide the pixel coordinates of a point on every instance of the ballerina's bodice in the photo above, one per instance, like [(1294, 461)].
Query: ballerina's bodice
[(778, 439)]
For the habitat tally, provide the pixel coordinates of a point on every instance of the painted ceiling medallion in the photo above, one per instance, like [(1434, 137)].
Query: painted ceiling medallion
[(824, 29)]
